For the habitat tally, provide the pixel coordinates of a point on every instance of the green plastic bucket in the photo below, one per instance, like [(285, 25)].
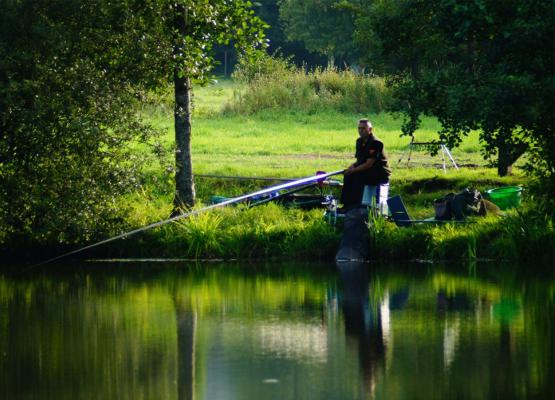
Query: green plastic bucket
[(505, 197)]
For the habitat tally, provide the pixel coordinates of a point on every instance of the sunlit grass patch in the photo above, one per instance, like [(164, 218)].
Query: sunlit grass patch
[(229, 140)]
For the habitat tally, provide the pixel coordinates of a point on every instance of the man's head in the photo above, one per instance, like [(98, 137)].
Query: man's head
[(364, 128)]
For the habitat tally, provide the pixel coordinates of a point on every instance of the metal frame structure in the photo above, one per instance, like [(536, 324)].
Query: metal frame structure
[(444, 151)]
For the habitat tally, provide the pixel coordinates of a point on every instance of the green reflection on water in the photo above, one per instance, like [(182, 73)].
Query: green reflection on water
[(281, 331)]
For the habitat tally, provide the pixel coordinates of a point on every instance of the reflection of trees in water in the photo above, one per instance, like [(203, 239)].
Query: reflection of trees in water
[(117, 332), (481, 337), (66, 338), (186, 322)]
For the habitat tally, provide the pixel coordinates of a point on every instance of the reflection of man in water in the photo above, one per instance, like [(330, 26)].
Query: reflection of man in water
[(362, 323)]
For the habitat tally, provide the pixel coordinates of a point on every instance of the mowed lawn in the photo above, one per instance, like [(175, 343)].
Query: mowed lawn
[(289, 144)]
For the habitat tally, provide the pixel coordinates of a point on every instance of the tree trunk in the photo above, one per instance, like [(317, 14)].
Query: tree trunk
[(331, 61), (508, 154), (503, 166), (184, 185)]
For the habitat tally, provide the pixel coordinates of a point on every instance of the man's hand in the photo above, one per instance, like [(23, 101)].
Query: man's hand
[(349, 170)]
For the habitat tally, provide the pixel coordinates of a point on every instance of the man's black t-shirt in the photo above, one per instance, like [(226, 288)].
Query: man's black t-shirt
[(373, 148)]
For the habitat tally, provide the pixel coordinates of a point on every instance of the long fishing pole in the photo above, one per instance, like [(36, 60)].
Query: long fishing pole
[(286, 185), (260, 178), (282, 195), (244, 178)]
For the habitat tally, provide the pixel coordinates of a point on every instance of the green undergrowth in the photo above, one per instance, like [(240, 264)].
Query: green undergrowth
[(272, 231), (311, 92), (527, 236), (238, 233)]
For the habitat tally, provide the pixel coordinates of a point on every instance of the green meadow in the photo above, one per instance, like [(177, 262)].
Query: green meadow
[(285, 143)]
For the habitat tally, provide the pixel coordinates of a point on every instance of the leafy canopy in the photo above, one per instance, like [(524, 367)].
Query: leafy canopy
[(69, 73)]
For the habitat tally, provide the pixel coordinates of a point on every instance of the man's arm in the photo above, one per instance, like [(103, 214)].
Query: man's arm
[(362, 167)]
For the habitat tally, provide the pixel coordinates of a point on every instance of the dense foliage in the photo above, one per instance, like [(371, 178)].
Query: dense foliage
[(484, 65), (70, 72), (268, 11)]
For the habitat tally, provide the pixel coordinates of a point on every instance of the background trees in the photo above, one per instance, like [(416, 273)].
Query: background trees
[(484, 65), (321, 25), (268, 11)]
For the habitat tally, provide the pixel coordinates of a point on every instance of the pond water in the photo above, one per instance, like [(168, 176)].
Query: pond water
[(277, 331)]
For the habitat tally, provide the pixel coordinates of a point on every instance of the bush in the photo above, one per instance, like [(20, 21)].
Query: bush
[(68, 93)]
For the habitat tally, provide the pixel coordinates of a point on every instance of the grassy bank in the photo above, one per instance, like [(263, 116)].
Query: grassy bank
[(274, 232), (287, 143)]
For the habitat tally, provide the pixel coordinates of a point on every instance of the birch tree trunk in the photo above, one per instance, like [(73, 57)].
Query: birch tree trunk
[(184, 185)]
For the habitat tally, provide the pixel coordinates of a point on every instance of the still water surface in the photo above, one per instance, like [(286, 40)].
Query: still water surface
[(288, 331)]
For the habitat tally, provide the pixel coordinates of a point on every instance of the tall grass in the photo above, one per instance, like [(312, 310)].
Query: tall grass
[(310, 91), (523, 236), (271, 231), (237, 232)]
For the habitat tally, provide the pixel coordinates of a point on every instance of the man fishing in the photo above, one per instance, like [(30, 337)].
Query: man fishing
[(370, 168)]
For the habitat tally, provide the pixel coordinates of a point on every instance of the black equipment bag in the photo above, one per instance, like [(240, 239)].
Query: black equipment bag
[(458, 206)]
